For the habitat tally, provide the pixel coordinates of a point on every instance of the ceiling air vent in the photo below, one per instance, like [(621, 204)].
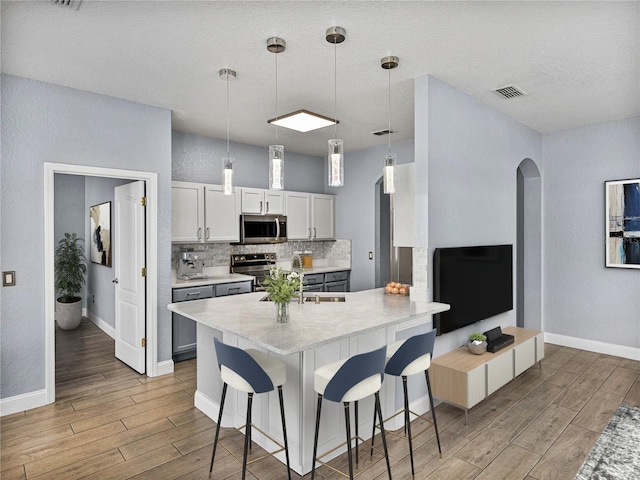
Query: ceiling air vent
[(73, 4), (382, 133), (509, 91)]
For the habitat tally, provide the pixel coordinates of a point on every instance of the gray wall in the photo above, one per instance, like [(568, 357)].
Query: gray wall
[(48, 123), (582, 298), (356, 206), (199, 159), (101, 296), (69, 209), (473, 155)]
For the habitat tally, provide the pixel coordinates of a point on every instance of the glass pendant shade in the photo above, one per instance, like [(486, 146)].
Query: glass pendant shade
[(276, 167), (389, 173), (336, 163), (227, 175)]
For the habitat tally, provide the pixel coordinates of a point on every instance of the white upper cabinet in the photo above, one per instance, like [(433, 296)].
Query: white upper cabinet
[(259, 201), (310, 216), (201, 213), (298, 216), (323, 208), (187, 212), (222, 215)]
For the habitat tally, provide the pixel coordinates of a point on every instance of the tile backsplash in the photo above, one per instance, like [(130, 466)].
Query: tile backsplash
[(218, 254)]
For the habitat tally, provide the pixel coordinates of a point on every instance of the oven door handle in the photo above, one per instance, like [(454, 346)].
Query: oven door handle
[(277, 229)]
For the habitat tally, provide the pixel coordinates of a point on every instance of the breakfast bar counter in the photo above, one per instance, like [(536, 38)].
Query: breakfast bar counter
[(317, 334)]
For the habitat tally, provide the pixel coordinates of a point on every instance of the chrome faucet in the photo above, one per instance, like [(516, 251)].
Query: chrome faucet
[(300, 297)]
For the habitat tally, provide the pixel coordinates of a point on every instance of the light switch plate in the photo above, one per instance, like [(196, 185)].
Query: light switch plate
[(9, 278)]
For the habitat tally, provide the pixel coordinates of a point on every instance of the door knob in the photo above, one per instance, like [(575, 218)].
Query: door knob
[(115, 280)]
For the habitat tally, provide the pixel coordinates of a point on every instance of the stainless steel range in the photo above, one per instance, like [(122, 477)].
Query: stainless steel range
[(256, 264)]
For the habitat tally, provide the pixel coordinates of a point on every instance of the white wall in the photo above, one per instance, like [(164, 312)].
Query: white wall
[(582, 298), (48, 123)]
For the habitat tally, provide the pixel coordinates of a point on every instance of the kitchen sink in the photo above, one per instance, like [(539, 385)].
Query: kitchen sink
[(319, 299), (311, 299)]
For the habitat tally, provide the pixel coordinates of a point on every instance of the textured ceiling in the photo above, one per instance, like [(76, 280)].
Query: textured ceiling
[(579, 62)]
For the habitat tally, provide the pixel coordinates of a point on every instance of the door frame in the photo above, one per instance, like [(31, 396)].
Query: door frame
[(151, 245)]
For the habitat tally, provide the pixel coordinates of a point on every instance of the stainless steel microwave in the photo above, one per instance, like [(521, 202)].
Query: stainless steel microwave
[(263, 229)]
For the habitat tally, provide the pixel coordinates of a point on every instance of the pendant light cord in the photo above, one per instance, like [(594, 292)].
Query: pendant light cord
[(227, 114), (276, 55), (335, 89), (389, 134)]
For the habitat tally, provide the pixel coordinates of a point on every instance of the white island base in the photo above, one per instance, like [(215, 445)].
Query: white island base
[(316, 335)]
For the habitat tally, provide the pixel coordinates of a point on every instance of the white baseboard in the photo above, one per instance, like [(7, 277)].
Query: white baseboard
[(207, 406), (101, 324), (631, 353), (23, 402), (163, 368)]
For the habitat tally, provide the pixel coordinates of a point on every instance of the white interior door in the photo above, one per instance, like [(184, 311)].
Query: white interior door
[(130, 281)]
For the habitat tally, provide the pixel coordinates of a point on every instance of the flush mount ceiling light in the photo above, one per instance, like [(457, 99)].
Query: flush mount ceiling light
[(335, 35), (276, 152), (303, 121), (227, 162), (389, 169)]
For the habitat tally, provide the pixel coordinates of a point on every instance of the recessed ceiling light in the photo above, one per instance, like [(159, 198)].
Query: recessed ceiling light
[(302, 121)]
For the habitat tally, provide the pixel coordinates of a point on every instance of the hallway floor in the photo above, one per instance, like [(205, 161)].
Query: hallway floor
[(108, 422)]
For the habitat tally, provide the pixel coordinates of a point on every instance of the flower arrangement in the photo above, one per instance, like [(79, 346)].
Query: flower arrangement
[(282, 286)]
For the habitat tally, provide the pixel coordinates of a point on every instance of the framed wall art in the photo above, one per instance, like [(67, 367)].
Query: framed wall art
[(100, 216), (622, 207)]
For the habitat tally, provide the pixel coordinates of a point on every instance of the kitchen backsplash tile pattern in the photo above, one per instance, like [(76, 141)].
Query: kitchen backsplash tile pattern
[(218, 254)]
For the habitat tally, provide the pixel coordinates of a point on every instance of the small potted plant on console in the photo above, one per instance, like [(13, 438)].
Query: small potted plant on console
[(477, 343)]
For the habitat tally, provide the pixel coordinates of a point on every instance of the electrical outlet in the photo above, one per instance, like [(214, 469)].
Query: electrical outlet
[(370, 255), (93, 299)]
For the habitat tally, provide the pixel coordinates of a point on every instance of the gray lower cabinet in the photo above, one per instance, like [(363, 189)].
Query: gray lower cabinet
[(336, 282), (184, 329)]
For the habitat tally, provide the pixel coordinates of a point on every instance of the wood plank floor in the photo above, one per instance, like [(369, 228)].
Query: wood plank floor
[(108, 422)]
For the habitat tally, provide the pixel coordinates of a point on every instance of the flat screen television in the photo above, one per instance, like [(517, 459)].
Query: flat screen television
[(476, 281)]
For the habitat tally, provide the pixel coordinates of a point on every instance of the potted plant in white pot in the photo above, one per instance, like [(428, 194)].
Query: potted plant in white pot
[(70, 272), (477, 343)]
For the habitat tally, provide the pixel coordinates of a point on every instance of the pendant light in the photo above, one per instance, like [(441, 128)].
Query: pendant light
[(276, 152), (389, 169), (335, 35), (227, 162)]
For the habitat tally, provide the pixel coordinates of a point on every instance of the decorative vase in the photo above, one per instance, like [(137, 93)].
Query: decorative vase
[(477, 347), (69, 315), (282, 312)]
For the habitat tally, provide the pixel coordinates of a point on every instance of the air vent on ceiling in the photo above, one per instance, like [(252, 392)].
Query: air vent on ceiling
[(381, 133), (73, 4), (509, 91)]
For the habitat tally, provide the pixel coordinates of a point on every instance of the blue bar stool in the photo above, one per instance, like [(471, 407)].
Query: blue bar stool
[(250, 371), (348, 381), (409, 357)]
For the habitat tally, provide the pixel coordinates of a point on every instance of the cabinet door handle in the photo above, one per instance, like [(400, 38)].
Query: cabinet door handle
[(260, 206), (314, 232), (267, 211), (199, 233), (193, 293), (208, 233), (309, 232)]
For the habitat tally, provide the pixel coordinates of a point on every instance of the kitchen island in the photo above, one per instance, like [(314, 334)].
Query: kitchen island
[(317, 334)]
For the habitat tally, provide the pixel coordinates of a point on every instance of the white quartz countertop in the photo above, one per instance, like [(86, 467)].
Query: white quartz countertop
[(311, 325), (214, 279)]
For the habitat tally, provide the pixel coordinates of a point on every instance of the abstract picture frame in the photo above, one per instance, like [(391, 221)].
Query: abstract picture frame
[(100, 245), (622, 210)]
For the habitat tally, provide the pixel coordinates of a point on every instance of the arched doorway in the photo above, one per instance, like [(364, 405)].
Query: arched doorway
[(529, 246)]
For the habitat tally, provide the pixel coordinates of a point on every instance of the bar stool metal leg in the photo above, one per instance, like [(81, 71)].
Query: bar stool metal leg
[(407, 421), (284, 431), (356, 429), (247, 435), (315, 440), (433, 411), (384, 438), (347, 421), (215, 442)]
